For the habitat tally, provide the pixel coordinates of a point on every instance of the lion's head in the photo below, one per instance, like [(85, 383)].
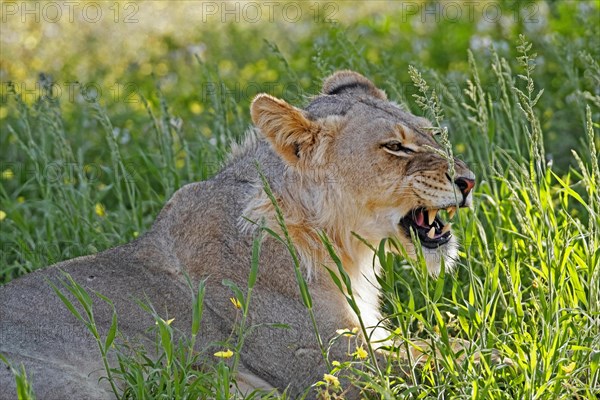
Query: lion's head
[(363, 164)]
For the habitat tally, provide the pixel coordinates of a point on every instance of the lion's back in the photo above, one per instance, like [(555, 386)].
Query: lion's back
[(193, 235)]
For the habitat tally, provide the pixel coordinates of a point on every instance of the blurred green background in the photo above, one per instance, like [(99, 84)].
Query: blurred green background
[(191, 68), (119, 51)]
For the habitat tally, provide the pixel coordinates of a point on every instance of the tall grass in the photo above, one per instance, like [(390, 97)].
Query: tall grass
[(525, 295), (527, 280)]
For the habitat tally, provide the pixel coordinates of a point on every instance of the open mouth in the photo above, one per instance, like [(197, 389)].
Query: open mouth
[(430, 229)]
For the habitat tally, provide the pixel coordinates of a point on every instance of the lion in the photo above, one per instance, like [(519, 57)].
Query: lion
[(352, 166)]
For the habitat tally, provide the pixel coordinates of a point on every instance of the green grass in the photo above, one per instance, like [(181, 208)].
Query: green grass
[(527, 285)]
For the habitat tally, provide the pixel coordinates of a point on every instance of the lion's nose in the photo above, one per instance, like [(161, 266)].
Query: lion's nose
[(465, 185)]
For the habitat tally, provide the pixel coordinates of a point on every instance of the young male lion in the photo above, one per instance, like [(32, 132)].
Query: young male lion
[(351, 162)]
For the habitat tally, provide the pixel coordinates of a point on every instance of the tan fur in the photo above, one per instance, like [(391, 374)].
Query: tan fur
[(330, 173)]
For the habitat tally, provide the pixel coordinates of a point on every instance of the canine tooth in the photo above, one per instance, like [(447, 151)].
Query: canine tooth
[(451, 212), (431, 214), (431, 233), (446, 227)]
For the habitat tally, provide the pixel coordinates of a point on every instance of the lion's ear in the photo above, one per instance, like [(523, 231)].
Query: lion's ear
[(350, 82), (285, 126)]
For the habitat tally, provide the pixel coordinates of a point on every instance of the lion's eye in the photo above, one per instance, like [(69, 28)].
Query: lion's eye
[(395, 147)]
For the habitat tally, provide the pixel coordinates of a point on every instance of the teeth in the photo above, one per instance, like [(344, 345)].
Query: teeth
[(446, 227), (431, 233), (431, 214), (451, 212)]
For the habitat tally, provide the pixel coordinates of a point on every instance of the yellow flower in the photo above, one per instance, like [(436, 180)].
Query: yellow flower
[(331, 380), (568, 368), (236, 303), (20, 199), (335, 363), (2, 215), (360, 353), (224, 354), (196, 107), (100, 210), (8, 174)]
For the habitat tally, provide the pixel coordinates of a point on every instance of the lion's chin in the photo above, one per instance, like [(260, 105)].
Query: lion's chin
[(434, 257)]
